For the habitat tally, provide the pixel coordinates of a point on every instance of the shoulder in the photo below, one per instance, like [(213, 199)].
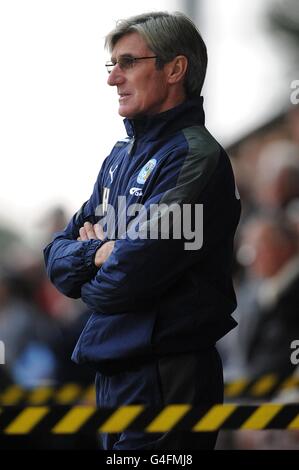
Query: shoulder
[(202, 146), (203, 152)]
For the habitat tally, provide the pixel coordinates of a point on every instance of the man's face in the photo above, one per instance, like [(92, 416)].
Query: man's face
[(142, 89)]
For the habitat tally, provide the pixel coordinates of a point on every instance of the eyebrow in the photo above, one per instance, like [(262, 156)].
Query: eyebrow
[(122, 55)]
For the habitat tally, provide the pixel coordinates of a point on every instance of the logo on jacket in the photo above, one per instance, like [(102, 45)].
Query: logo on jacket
[(146, 171), (111, 172), (136, 191)]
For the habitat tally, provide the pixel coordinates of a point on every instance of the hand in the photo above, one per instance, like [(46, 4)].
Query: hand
[(91, 232), (95, 232), (103, 253)]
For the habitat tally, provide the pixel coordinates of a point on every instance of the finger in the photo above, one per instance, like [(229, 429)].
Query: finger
[(99, 231), (79, 239), (83, 234), (89, 231), (103, 253), (108, 249), (111, 246)]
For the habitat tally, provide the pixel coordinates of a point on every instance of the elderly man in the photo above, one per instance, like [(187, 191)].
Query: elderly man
[(159, 284)]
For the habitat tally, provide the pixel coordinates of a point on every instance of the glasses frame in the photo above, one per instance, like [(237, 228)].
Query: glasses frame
[(131, 61)]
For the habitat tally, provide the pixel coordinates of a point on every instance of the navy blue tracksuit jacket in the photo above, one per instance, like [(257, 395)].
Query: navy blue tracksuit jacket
[(152, 296)]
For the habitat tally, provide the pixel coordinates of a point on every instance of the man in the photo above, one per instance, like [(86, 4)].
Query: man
[(269, 324), (159, 302)]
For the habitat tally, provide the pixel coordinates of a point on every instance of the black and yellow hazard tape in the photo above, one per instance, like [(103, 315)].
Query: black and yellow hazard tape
[(48, 395), (72, 393), (16, 420), (263, 387)]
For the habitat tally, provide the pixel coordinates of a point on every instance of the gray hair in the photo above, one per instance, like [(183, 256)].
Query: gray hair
[(168, 35)]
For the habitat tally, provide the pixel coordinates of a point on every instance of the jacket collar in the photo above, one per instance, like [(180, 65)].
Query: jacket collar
[(187, 114)]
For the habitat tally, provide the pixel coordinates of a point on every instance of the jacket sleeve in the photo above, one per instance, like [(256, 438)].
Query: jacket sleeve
[(70, 263), (139, 270)]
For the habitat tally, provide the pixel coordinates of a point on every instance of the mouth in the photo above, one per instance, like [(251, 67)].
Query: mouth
[(123, 96)]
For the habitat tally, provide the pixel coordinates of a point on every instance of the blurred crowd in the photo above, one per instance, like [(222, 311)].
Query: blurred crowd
[(266, 274), (39, 326)]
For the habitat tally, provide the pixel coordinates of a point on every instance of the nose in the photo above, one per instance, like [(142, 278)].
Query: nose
[(116, 76)]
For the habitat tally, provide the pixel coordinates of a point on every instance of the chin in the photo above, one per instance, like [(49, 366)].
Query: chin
[(124, 113), (127, 112)]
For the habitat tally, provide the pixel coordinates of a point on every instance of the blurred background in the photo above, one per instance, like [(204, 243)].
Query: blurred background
[(59, 120)]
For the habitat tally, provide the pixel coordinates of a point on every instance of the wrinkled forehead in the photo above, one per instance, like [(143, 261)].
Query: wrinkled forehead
[(131, 44)]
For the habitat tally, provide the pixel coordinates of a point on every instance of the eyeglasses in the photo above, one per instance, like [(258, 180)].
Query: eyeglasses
[(126, 62)]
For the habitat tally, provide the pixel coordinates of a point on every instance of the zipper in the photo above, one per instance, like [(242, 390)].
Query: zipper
[(132, 146), (133, 141)]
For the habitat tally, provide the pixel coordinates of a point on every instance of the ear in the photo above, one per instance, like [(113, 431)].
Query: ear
[(177, 69)]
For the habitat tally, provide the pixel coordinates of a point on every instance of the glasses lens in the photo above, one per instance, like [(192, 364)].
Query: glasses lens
[(125, 62)]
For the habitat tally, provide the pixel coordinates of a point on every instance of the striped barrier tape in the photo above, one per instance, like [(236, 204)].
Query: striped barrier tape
[(266, 386), (71, 393), (53, 395), (16, 420)]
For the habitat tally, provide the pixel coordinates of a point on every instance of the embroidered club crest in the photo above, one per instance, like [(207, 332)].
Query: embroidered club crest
[(146, 171)]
